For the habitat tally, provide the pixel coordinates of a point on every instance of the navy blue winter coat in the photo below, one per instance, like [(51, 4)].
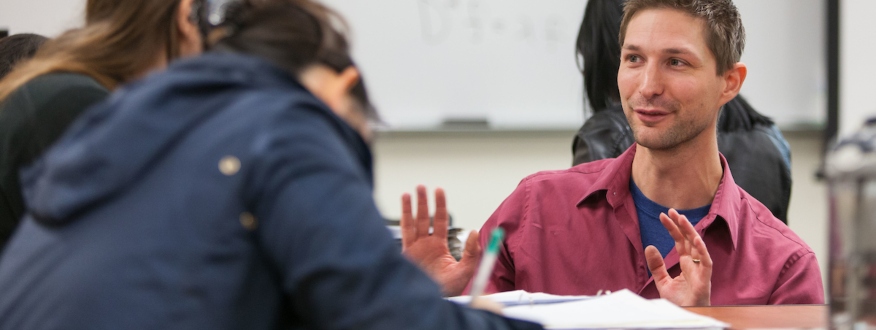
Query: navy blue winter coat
[(218, 195)]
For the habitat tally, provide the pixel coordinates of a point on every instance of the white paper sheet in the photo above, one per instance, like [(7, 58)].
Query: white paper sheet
[(622, 309), (520, 297)]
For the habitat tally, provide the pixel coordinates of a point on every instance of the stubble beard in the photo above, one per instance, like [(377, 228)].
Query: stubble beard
[(681, 131)]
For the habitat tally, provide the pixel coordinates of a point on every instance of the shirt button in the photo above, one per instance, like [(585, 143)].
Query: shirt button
[(248, 221), (229, 165)]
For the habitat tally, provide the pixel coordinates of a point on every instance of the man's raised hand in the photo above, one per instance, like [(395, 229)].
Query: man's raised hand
[(430, 252), (693, 287)]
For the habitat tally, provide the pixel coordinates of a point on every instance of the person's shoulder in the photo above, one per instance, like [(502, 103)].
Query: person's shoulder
[(610, 118), (61, 91), (759, 221), (53, 93), (606, 134), (290, 113), (594, 167), (287, 108), (63, 82), (578, 176), (64, 78)]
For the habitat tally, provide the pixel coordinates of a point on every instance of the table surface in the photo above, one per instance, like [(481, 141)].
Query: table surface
[(782, 316)]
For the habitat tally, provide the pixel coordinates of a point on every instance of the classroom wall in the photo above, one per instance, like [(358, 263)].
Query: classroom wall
[(46, 17), (857, 67)]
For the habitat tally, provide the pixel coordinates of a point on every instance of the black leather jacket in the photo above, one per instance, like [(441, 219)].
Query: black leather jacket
[(756, 151)]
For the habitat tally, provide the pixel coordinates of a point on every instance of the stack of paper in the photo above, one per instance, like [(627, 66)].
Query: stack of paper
[(622, 309), (520, 297), (619, 310)]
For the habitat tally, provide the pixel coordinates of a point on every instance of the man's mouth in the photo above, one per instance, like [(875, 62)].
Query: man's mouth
[(651, 116)]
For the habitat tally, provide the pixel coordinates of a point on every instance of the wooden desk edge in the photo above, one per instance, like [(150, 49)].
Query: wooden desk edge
[(779, 316)]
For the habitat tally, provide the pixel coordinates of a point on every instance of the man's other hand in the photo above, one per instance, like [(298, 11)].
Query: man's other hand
[(694, 286)]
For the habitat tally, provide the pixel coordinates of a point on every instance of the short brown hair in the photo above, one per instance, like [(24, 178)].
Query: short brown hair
[(725, 35)]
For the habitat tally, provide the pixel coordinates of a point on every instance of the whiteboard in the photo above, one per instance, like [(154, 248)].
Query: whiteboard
[(512, 63), (787, 60), (46, 17)]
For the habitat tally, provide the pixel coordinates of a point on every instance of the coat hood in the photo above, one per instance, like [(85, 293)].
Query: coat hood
[(114, 143)]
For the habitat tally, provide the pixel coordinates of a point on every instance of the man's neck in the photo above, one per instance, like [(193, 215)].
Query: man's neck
[(683, 178)]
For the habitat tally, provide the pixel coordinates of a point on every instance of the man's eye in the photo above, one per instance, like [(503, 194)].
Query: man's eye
[(633, 58), (675, 62)]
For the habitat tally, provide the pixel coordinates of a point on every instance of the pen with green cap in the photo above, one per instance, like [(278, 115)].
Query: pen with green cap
[(487, 262)]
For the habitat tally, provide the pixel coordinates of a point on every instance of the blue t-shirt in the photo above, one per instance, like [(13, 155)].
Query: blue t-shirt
[(650, 228)]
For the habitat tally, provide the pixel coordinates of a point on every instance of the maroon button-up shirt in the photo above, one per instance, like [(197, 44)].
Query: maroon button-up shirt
[(576, 232)]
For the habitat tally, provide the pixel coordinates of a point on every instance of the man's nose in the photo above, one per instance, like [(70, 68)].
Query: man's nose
[(652, 82)]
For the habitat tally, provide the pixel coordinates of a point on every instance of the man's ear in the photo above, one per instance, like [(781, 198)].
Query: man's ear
[(187, 29), (733, 80)]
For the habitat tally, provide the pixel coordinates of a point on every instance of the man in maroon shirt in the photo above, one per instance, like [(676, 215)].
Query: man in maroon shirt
[(578, 231)]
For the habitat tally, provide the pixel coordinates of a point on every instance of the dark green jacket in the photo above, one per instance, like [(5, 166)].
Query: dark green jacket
[(31, 119)]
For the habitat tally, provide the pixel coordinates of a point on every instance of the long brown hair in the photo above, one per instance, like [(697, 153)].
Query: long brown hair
[(118, 41)]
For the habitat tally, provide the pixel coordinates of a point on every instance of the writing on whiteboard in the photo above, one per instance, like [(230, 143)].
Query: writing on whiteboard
[(477, 21)]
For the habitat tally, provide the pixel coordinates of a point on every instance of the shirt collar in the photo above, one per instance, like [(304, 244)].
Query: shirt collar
[(725, 205), (614, 180)]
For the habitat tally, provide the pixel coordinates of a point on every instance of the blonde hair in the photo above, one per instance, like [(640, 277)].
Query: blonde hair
[(118, 41)]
